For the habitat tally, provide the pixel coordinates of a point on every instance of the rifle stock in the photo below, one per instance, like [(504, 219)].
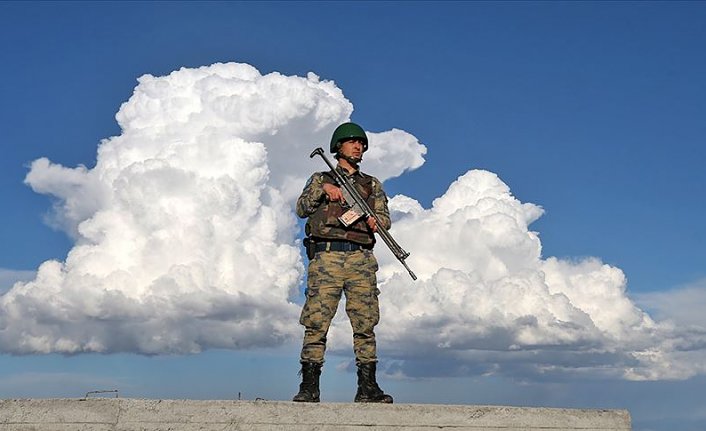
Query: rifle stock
[(343, 182)]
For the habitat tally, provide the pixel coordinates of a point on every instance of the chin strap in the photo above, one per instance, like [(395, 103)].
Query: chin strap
[(352, 160)]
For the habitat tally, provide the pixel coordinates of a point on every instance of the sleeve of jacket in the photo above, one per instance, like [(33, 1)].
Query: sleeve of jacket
[(380, 204), (312, 196)]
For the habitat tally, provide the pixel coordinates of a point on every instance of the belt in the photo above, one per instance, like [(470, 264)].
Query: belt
[(341, 246)]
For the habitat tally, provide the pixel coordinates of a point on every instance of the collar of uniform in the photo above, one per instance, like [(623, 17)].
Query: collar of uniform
[(343, 171)]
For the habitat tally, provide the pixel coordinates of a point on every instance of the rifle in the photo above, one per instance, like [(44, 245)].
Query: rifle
[(360, 208)]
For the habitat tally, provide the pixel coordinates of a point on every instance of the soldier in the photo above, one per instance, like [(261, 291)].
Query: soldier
[(341, 261)]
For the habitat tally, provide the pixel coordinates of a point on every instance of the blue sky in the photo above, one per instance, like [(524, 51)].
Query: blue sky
[(594, 111)]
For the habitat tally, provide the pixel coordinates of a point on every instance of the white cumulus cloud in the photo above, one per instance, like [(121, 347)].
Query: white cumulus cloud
[(487, 302), (184, 231)]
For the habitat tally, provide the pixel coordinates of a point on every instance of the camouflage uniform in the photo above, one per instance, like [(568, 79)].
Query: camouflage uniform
[(332, 273)]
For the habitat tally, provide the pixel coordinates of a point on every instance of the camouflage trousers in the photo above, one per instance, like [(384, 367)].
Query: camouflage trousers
[(331, 274)]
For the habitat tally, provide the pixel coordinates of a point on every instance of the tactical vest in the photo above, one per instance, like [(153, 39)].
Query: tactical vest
[(324, 223)]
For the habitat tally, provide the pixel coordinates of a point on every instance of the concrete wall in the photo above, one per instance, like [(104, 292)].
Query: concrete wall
[(104, 414)]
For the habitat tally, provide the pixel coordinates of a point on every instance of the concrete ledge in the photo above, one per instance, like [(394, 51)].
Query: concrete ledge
[(104, 414)]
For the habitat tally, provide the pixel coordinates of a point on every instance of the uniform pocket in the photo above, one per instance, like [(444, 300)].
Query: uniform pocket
[(371, 260), (311, 312)]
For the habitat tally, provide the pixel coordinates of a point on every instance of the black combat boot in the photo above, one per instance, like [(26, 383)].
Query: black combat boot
[(368, 389), (309, 387)]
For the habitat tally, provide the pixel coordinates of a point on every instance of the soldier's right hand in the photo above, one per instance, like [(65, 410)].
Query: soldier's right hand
[(334, 193)]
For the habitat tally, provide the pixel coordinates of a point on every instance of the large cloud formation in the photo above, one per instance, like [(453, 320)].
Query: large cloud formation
[(184, 229), (487, 302), (185, 240)]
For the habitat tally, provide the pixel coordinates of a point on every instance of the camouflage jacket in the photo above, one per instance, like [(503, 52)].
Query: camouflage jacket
[(323, 215)]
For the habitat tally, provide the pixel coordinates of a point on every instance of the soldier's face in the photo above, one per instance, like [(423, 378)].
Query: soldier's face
[(352, 148)]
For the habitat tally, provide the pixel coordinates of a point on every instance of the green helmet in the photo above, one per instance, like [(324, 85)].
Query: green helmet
[(347, 131)]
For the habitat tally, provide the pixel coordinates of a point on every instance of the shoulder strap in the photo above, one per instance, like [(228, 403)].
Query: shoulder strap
[(328, 177)]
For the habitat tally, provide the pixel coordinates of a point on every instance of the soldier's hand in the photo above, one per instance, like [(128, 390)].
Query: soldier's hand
[(372, 224), (334, 193)]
